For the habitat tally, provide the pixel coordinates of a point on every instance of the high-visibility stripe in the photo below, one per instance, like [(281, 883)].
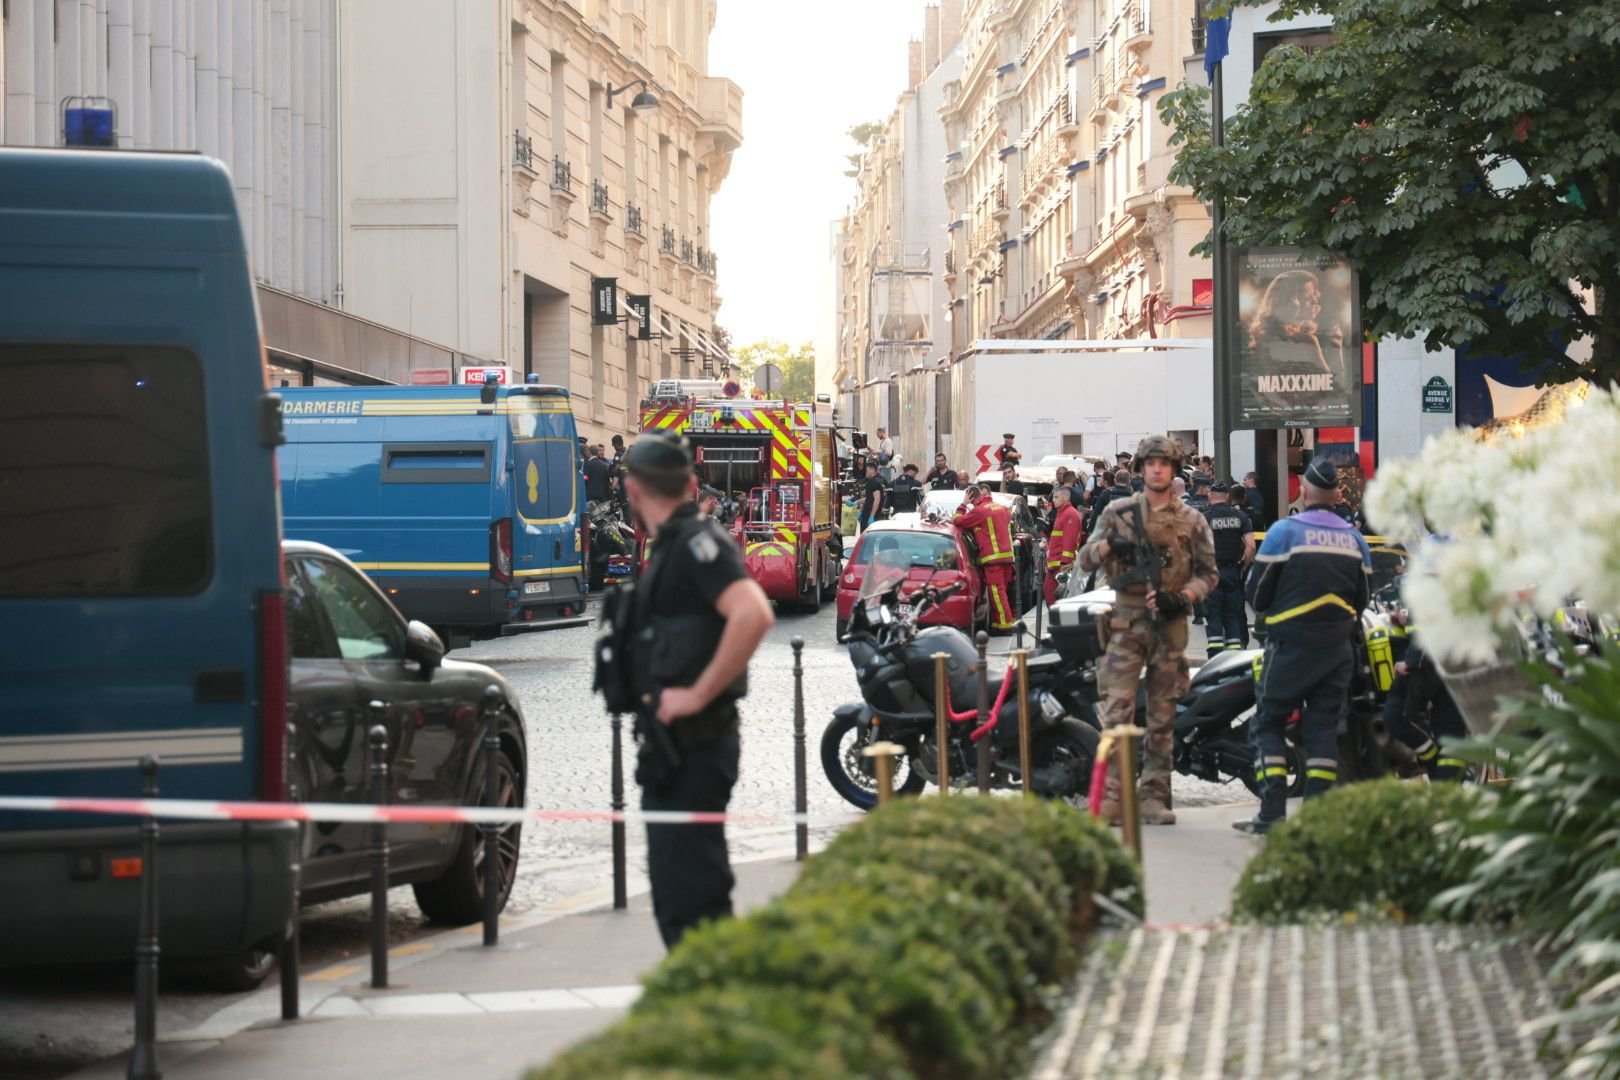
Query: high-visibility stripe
[(1325, 600), (1322, 774), (1451, 763), (1002, 620), (1275, 772), (1005, 556)]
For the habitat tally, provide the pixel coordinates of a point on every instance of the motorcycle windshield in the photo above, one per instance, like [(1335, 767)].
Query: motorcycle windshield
[(887, 569)]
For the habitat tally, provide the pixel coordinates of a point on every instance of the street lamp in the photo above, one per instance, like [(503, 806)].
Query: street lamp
[(646, 101), (989, 278)]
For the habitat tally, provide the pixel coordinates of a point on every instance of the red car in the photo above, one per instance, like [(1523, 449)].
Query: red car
[(937, 554)]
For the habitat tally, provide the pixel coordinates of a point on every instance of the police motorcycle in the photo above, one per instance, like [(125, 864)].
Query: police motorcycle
[(613, 545), (894, 666), (1212, 717)]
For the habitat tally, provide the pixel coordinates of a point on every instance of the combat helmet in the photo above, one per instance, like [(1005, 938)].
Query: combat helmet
[(1157, 446)]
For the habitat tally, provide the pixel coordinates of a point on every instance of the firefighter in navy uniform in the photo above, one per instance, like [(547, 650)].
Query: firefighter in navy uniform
[(695, 618), (1310, 585), (1234, 551)]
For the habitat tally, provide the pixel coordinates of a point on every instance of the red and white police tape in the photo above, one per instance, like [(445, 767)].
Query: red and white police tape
[(207, 810)]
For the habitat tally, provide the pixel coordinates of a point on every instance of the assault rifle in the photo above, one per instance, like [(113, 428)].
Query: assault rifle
[(1147, 561)]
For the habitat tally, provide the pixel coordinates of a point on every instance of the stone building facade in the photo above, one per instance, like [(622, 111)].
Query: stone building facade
[(427, 183), (1063, 220), (892, 265)]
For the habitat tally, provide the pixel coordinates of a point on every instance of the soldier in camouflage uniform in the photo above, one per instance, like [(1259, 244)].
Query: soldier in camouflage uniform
[(1148, 627)]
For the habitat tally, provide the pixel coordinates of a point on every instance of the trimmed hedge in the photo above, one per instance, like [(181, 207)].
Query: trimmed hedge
[(920, 943), (1384, 847)]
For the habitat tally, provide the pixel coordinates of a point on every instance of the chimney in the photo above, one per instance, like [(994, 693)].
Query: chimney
[(914, 55), (931, 49), (950, 24)]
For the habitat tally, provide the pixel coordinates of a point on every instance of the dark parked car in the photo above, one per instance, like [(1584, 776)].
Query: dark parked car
[(351, 648)]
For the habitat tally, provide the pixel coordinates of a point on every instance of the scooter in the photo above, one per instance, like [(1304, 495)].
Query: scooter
[(894, 664)]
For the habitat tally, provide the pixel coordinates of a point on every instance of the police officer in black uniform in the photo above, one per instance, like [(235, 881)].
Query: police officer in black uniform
[(1310, 584), (695, 619), (1234, 550)]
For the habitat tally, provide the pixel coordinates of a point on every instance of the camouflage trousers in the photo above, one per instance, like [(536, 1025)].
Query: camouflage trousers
[(1137, 641)]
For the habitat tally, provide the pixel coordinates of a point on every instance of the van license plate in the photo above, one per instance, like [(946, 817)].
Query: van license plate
[(532, 587)]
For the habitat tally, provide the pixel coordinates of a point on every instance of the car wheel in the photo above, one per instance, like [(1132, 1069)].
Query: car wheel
[(456, 897)]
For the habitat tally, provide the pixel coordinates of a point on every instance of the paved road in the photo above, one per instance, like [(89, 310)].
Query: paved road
[(50, 1022)]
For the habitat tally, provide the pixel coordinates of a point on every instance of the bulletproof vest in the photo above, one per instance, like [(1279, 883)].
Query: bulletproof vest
[(1227, 525), (1170, 530), (669, 647)]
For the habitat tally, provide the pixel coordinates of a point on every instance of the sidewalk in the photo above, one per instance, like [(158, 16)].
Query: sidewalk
[(454, 1007)]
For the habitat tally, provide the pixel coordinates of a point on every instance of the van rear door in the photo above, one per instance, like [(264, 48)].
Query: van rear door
[(547, 548)]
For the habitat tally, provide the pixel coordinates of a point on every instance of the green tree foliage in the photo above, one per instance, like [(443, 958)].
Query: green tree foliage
[(1464, 153), (798, 364), (862, 134)]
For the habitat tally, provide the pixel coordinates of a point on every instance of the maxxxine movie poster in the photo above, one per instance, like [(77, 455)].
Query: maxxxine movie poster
[(1298, 339)]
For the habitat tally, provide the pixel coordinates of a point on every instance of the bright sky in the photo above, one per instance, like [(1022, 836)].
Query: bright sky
[(808, 74)]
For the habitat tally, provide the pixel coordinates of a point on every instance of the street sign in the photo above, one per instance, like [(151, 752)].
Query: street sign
[(604, 301), (478, 376), (1437, 395), (437, 376), (768, 378)]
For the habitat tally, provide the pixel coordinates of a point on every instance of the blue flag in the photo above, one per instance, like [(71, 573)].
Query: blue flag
[(1216, 34)]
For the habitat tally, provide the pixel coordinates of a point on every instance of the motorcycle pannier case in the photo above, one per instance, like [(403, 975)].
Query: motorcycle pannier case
[(1077, 630)]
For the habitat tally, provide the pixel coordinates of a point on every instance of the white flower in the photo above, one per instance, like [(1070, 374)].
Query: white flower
[(1457, 600), (1536, 517)]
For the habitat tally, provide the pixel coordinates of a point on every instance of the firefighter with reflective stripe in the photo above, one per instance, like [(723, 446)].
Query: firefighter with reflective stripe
[(1064, 543), (1234, 550), (991, 528), (1309, 586), (1160, 560)]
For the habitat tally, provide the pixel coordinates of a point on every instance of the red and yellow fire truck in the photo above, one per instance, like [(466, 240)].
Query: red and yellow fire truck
[(774, 462)]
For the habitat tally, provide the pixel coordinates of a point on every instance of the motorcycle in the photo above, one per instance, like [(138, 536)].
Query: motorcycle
[(894, 665), (1212, 740), (613, 546)]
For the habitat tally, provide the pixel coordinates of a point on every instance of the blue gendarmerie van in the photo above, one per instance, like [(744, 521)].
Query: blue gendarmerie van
[(463, 503), (140, 566)]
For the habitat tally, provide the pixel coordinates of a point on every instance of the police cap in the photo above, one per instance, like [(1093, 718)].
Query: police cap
[(1321, 473), (1200, 481), (1221, 486), (1123, 455)]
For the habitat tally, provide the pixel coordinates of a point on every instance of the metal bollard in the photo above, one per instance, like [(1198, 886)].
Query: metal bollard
[(621, 888), (1018, 606), (143, 1062), (1130, 808), (801, 795), (942, 721), (1040, 601), (982, 640), (1024, 749), (287, 957), (883, 754), (492, 831), (377, 740)]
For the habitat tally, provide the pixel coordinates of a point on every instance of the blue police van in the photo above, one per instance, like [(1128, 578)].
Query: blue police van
[(463, 503), (141, 602)]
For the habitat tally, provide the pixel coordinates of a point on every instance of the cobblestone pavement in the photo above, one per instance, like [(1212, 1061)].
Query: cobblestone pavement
[(1324, 1002)]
